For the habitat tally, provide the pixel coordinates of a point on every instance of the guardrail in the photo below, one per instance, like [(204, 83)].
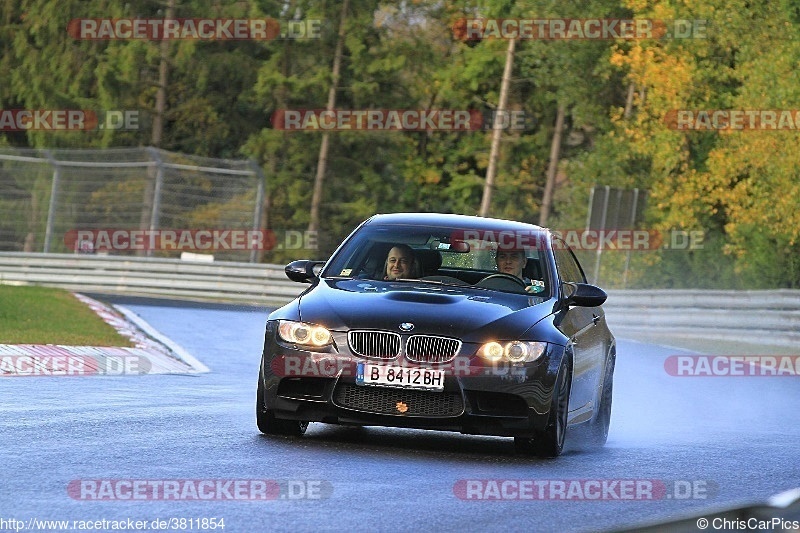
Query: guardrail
[(249, 283), (768, 317), (771, 317)]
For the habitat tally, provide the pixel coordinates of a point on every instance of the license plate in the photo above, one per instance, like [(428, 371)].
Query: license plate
[(401, 377)]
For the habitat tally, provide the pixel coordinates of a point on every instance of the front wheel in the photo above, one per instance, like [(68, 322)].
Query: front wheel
[(550, 441), (268, 424)]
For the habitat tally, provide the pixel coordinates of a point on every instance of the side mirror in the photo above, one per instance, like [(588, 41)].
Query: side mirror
[(303, 271), (583, 294)]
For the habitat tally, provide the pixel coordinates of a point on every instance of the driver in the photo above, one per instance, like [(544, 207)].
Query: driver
[(512, 262)]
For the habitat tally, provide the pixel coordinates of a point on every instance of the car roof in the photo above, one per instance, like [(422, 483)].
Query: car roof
[(448, 219)]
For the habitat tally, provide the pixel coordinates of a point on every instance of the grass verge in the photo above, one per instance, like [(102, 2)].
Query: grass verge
[(43, 315)]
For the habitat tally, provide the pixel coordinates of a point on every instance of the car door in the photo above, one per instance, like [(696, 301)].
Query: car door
[(580, 324)]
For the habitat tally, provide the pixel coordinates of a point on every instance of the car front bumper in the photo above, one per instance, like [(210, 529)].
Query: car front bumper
[(320, 386)]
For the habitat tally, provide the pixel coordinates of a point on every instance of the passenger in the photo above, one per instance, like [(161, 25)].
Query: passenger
[(400, 263)]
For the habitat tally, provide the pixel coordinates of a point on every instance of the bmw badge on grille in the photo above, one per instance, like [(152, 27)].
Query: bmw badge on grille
[(406, 326)]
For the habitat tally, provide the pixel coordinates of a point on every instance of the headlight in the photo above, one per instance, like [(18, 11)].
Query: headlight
[(302, 333), (492, 351), (513, 352)]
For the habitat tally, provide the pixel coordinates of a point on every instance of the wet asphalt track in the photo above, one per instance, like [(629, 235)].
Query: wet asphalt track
[(737, 438)]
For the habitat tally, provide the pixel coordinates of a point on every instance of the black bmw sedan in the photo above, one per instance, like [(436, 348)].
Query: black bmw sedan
[(445, 322)]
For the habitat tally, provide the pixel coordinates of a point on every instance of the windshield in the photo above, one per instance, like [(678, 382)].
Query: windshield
[(487, 259)]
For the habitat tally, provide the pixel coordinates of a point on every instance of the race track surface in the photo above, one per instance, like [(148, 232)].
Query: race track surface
[(701, 442)]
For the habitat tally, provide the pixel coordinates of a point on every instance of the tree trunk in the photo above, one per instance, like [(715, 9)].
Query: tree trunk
[(322, 162), (161, 95), (157, 131), (629, 101), (552, 169), (494, 153)]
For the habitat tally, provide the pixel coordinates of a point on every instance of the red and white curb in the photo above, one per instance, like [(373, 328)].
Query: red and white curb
[(152, 352)]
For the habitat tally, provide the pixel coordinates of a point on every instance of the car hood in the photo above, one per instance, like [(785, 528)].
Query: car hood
[(467, 313)]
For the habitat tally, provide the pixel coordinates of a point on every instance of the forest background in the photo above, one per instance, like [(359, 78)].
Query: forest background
[(603, 104)]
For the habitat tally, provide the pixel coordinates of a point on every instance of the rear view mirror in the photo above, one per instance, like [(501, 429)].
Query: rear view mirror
[(461, 247)]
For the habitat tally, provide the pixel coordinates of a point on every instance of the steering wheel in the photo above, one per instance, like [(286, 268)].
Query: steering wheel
[(500, 276)]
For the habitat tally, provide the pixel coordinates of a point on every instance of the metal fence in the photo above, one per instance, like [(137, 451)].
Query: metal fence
[(47, 195)]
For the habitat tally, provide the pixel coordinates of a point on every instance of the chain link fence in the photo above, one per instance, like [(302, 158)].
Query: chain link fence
[(48, 196)]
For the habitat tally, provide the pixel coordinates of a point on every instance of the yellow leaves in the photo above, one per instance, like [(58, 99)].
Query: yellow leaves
[(619, 58), (745, 182), (431, 176), (218, 214), (529, 163), (482, 160), (757, 175)]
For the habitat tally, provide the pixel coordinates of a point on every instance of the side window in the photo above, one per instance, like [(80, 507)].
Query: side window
[(568, 267)]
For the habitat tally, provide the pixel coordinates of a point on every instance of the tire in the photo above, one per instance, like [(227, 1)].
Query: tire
[(598, 431), (269, 425), (550, 442)]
